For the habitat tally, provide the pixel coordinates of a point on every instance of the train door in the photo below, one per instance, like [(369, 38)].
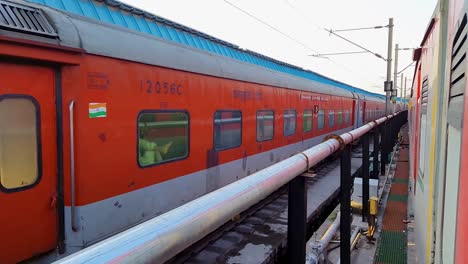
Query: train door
[(364, 116), (353, 111), (359, 110), (28, 162)]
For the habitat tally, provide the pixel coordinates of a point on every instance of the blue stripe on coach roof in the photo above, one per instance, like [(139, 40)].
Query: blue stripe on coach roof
[(120, 14)]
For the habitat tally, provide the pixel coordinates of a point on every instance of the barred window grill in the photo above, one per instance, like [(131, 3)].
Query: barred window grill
[(25, 19), (458, 65), (425, 91), (458, 77)]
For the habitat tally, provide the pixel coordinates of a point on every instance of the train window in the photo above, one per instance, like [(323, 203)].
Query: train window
[(346, 117), (265, 125), (331, 118), (307, 120), (163, 136), (289, 122), (340, 117), (321, 119), (19, 143), (227, 129)]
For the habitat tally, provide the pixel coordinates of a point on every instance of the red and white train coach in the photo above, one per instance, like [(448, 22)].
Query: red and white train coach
[(438, 139), (103, 127)]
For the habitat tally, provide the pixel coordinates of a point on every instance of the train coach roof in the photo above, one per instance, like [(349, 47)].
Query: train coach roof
[(122, 15)]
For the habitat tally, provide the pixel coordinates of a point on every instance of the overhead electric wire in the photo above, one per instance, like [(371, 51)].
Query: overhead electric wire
[(292, 38), (355, 44), (332, 32), (411, 64), (363, 28), (320, 28), (338, 53), (270, 26), (284, 34)]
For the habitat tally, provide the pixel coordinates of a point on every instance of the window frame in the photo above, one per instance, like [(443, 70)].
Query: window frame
[(214, 125), (311, 120), (37, 111), (331, 112), (153, 111), (323, 123), (256, 125), (346, 116), (339, 113), (295, 122)]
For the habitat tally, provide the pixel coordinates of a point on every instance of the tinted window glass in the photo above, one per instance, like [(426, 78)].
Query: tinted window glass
[(162, 137), (307, 120), (340, 117), (18, 143), (321, 119), (289, 122), (347, 116), (265, 125), (227, 129), (331, 118)]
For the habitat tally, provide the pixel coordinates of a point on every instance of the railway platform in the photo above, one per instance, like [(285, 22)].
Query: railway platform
[(392, 240), (393, 243)]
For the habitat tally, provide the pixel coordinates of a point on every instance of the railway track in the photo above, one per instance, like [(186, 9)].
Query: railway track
[(259, 235)]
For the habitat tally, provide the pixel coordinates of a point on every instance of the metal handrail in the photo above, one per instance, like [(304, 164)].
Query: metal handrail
[(161, 238), (74, 224)]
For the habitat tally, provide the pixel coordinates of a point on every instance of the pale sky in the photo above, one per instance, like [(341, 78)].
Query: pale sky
[(304, 20)]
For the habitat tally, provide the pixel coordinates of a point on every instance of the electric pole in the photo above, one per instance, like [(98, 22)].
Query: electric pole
[(388, 84)]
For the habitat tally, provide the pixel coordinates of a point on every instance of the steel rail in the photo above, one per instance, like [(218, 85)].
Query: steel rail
[(161, 238)]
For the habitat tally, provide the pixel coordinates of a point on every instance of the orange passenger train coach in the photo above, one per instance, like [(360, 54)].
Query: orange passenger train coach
[(103, 127)]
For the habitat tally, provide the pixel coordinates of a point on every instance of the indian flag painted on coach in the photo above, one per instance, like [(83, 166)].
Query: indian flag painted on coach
[(97, 110)]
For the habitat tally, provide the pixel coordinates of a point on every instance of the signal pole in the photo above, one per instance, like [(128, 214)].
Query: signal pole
[(388, 84)]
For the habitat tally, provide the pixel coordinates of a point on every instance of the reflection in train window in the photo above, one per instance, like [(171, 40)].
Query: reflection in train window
[(163, 136), (331, 118), (321, 119), (265, 125), (227, 129), (19, 143), (289, 122), (346, 117), (340, 117), (307, 120)]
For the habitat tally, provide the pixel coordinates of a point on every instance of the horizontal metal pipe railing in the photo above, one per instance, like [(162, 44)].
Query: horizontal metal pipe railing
[(161, 238)]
